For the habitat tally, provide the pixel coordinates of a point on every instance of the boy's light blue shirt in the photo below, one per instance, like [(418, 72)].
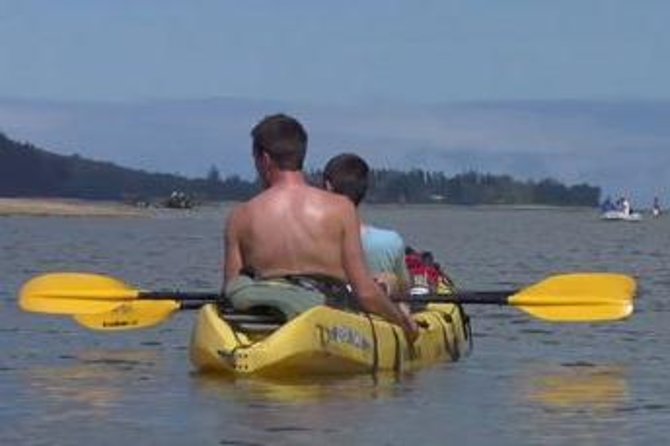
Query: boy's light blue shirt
[(385, 252)]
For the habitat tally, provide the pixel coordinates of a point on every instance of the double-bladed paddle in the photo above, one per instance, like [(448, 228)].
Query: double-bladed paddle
[(104, 303)]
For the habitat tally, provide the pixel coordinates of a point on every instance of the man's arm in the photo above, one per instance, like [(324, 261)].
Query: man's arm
[(369, 294), (232, 250)]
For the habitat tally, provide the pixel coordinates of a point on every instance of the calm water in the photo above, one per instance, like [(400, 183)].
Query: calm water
[(526, 382)]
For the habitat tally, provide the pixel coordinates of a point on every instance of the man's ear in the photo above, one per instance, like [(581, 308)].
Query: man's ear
[(263, 161), (265, 156)]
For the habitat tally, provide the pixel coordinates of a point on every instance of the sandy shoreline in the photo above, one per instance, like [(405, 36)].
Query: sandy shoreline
[(92, 208), (65, 207)]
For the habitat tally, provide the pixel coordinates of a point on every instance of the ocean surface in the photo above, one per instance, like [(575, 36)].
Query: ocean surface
[(526, 382)]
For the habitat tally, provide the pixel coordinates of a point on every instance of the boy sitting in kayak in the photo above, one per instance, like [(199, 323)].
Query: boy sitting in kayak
[(398, 268), (292, 233), (347, 174)]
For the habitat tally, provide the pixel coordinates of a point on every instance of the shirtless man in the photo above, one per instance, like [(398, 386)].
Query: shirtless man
[(294, 229)]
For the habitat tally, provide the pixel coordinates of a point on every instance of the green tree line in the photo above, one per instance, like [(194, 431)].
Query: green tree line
[(469, 188), (27, 171)]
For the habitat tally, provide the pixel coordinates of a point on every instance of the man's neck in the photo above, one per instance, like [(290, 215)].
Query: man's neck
[(287, 178)]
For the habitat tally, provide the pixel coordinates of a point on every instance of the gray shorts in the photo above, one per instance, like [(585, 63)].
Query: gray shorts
[(245, 293)]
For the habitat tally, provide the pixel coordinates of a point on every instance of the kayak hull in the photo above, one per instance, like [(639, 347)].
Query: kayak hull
[(328, 341)]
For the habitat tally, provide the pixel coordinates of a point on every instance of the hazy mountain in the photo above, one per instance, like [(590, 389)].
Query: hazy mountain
[(622, 146), (28, 171)]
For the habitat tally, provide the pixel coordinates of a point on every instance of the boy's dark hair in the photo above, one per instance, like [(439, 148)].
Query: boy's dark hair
[(347, 173), (283, 138)]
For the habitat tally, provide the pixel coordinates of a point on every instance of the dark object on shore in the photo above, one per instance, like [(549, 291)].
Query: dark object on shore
[(179, 200)]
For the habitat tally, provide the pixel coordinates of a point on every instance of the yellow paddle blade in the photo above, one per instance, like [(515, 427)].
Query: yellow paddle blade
[(130, 315), (587, 297), (78, 293)]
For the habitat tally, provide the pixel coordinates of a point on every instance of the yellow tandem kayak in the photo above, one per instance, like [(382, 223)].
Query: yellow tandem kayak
[(322, 340), (325, 340)]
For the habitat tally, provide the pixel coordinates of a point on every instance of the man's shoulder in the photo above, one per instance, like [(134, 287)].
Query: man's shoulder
[(324, 194), (329, 200), (237, 214), (329, 203)]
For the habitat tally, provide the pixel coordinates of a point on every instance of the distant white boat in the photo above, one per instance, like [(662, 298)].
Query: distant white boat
[(620, 215)]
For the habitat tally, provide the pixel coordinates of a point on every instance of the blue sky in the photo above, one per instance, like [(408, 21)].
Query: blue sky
[(335, 52), (577, 90)]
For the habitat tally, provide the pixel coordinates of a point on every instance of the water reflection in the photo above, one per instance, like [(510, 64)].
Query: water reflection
[(581, 402), (300, 391), (579, 387), (328, 410), (97, 381)]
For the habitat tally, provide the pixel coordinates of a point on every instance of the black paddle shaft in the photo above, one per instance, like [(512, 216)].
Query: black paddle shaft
[(180, 295), (466, 297), (195, 300)]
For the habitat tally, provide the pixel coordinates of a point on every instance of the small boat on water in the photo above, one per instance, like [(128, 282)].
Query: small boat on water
[(621, 216), (326, 341), (620, 210)]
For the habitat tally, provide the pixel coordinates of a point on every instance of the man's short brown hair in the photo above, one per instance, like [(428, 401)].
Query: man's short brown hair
[(283, 138)]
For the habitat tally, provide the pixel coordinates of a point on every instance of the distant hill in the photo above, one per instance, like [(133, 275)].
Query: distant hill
[(621, 146), (26, 170)]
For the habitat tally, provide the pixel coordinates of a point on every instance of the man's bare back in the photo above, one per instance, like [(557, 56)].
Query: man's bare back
[(291, 228)]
